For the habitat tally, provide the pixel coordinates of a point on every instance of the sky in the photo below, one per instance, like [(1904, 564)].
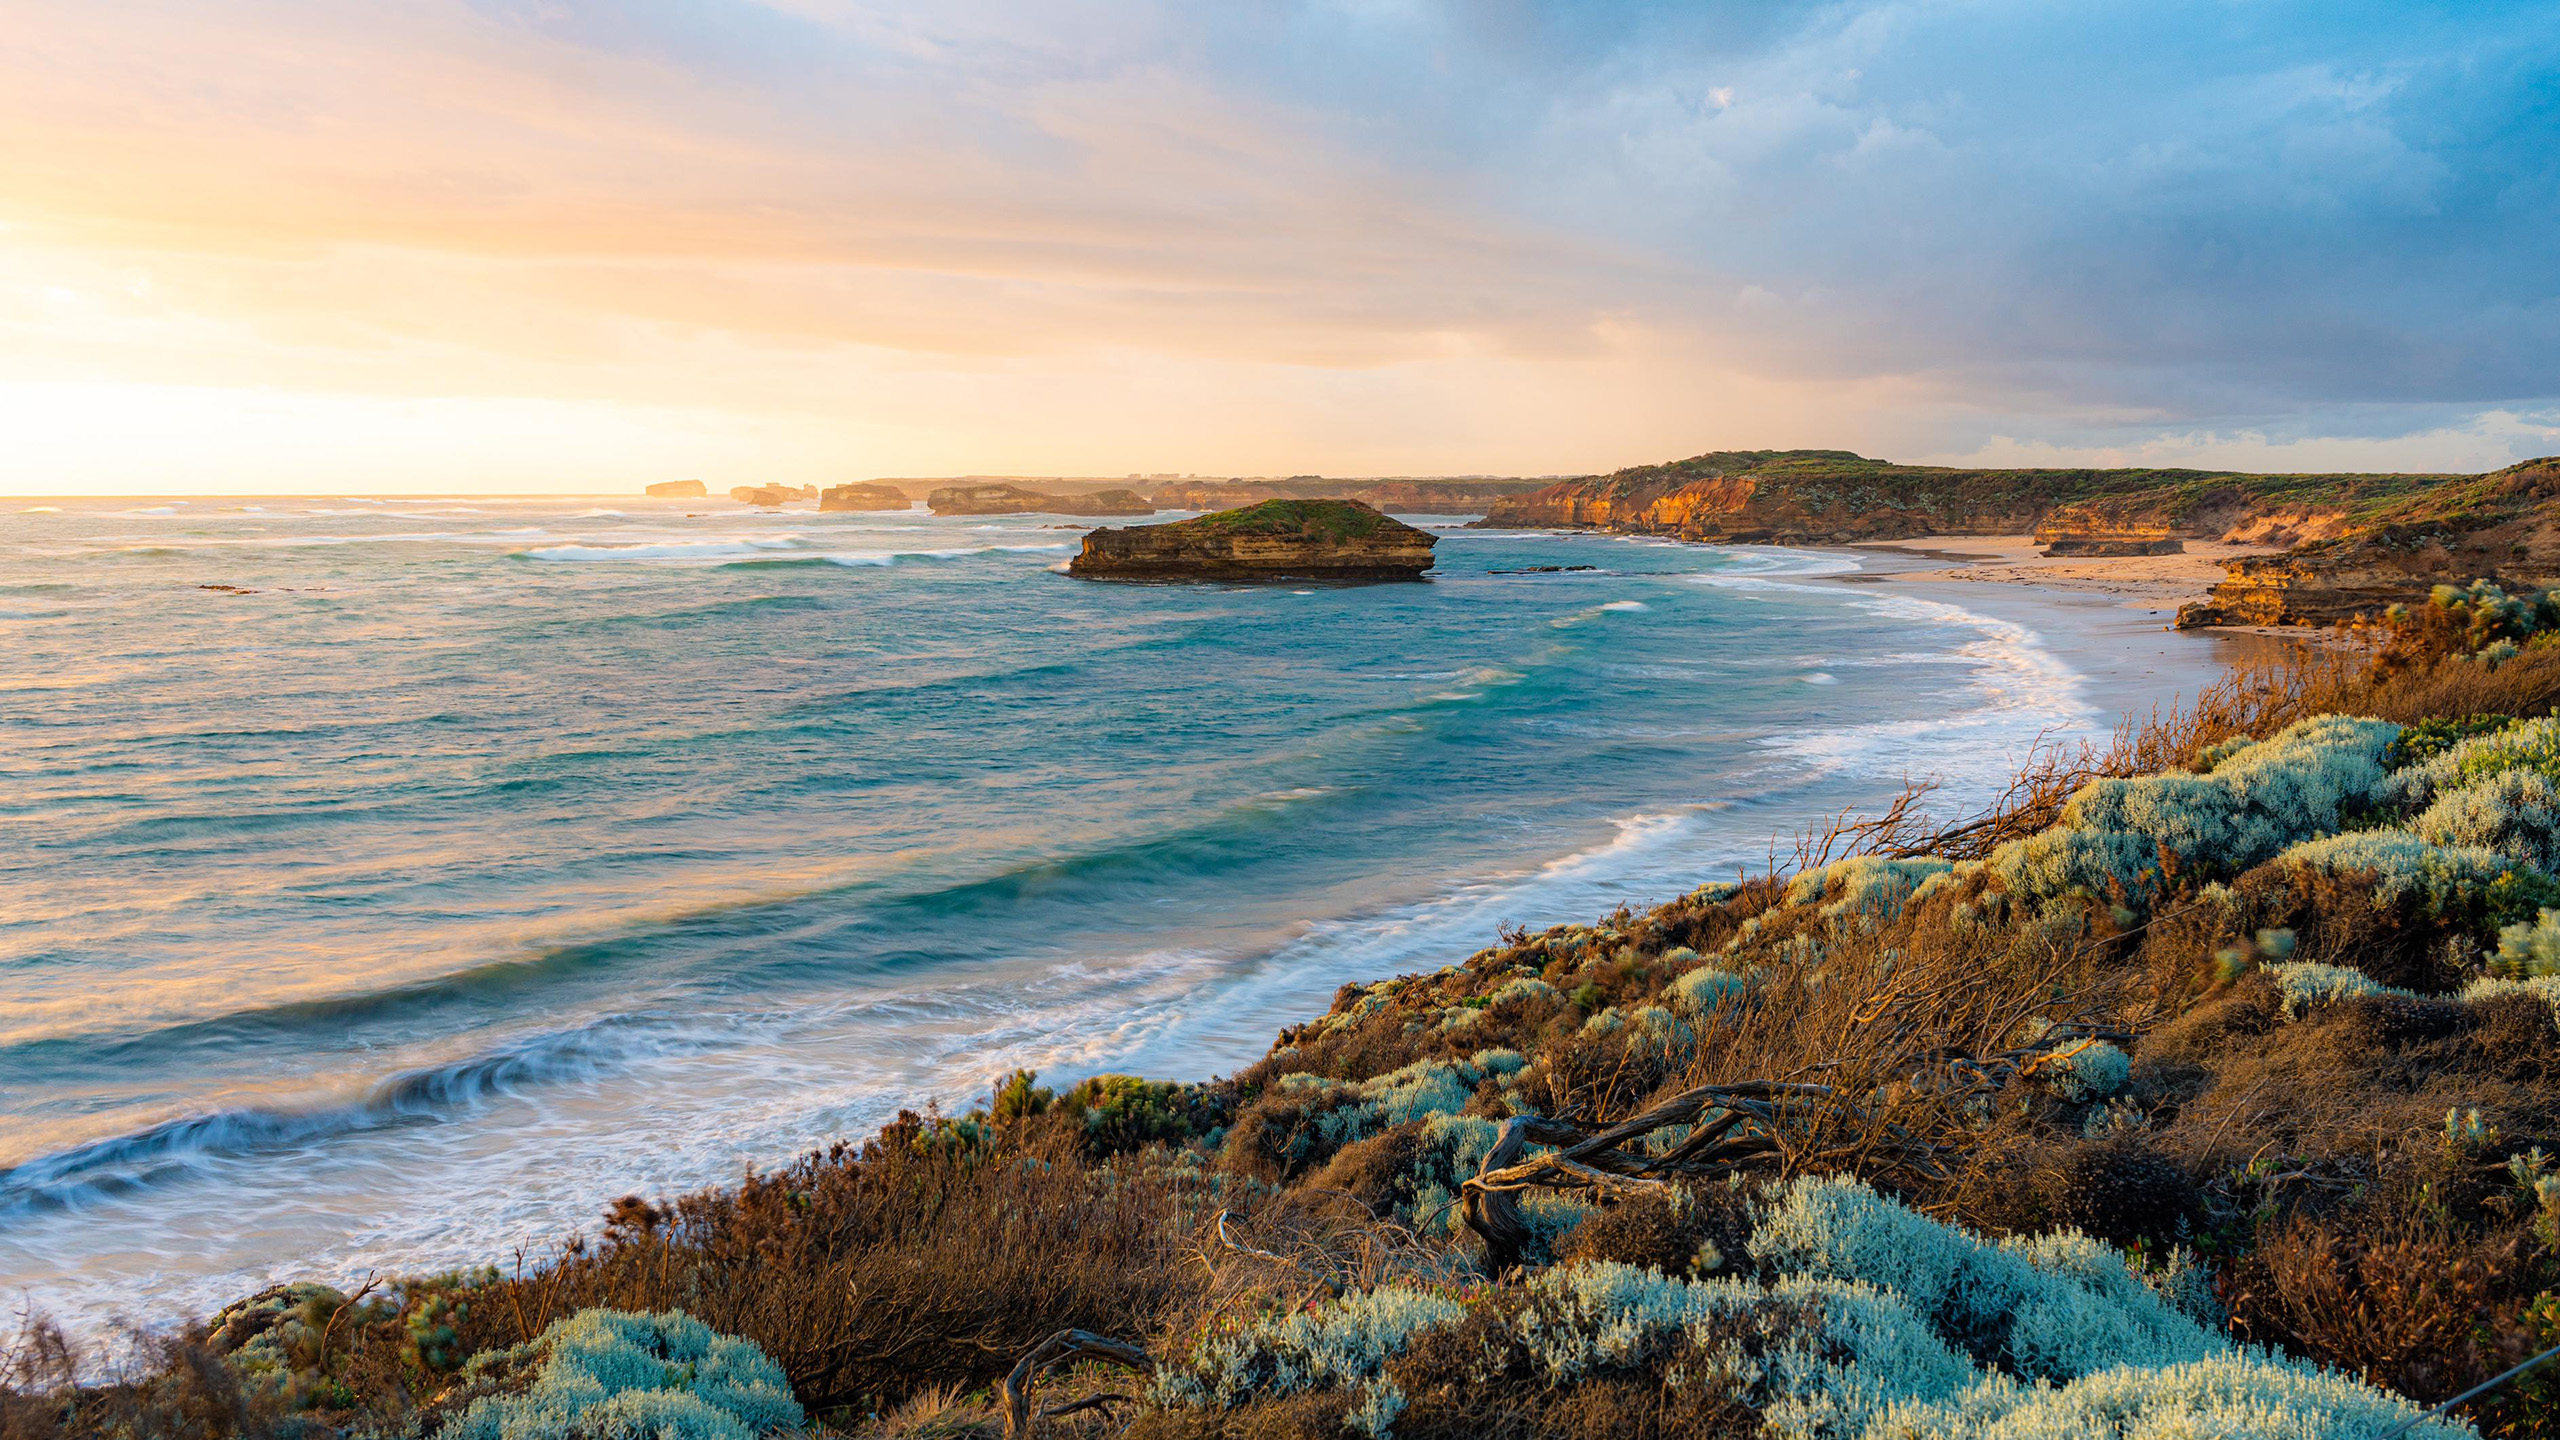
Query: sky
[(555, 245)]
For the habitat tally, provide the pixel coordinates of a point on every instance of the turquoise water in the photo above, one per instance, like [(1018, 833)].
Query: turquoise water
[(471, 862)]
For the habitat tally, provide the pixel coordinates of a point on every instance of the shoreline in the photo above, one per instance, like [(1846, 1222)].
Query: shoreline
[(2151, 584), (2107, 619)]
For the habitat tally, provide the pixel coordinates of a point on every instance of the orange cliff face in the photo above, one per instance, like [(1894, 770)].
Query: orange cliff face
[(1697, 508), (1775, 510)]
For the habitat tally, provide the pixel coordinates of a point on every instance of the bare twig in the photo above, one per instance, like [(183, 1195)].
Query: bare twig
[(1048, 1355)]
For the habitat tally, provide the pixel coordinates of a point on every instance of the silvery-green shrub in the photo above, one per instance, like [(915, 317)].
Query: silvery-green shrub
[(626, 1375), (1700, 992), (2525, 745), (2404, 866), (2514, 812), (2092, 1072), (2306, 983), (2113, 834), (1864, 886), (1919, 1330)]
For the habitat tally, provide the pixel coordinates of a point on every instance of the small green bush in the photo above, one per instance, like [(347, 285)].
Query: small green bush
[(2426, 739), (1702, 991), (2529, 950), (2307, 983)]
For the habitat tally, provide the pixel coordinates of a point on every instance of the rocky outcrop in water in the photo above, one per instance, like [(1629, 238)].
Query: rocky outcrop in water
[(862, 496), (1275, 540), (678, 490), (772, 494), (1006, 499)]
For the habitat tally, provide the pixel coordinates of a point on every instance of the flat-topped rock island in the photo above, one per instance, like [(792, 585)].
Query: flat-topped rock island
[(1275, 540)]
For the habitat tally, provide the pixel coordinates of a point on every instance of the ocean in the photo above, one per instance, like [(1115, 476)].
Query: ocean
[(388, 884)]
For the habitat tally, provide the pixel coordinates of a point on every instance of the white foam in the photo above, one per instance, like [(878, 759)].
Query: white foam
[(1626, 605), (956, 552), (2021, 691)]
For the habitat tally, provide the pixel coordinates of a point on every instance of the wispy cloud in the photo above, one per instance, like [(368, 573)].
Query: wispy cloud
[(1341, 236)]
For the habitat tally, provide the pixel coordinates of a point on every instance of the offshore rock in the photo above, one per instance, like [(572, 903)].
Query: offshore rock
[(1001, 499), (861, 496), (1275, 540), (678, 490), (772, 494)]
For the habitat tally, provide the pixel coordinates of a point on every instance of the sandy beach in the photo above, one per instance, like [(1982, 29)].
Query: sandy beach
[(2110, 617), (2151, 583)]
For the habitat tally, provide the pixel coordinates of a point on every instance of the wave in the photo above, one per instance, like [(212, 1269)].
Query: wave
[(957, 552), (2021, 691), (173, 1149), (1211, 846), (667, 550)]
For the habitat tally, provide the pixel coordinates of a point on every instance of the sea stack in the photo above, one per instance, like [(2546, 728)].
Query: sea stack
[(862, 496), (678, 490), (1275, 540)]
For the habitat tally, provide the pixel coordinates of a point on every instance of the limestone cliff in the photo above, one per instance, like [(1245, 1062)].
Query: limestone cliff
[(862, 496), (678, 490), (1004, 499), (1452, 496), (1834, 496), (1275, 540), (2503, 526), (772, 494)]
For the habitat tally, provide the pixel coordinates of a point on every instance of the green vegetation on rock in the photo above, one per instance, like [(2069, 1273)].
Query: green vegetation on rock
[(1330, 519)]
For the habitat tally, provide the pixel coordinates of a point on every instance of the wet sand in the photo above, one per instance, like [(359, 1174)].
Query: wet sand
[(2107, 617), (2156, 584)]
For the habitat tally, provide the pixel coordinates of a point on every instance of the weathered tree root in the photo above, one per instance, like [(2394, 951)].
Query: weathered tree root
[(1488, 1200), (1053, 1352), (1755, 1123)]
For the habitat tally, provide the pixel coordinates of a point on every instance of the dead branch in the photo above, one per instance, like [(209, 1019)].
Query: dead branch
[(1048, 1355), (370, 1281)]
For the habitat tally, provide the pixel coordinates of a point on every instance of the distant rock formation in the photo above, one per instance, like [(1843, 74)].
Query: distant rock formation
[(1003, 499), (862, 496), (1275, 540), (678, 490), (1452, 496), (772, 494)]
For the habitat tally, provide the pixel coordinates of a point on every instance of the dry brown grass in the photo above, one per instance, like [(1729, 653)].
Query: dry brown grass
[(923, 1260)]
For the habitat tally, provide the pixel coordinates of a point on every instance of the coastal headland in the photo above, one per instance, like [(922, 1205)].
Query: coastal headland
[(2299, 549)]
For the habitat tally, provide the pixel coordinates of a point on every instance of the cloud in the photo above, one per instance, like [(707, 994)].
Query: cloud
[(1400, 232)]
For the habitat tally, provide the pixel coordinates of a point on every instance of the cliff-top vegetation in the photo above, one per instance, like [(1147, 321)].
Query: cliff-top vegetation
[(1334, 520), (2205, 1084)]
